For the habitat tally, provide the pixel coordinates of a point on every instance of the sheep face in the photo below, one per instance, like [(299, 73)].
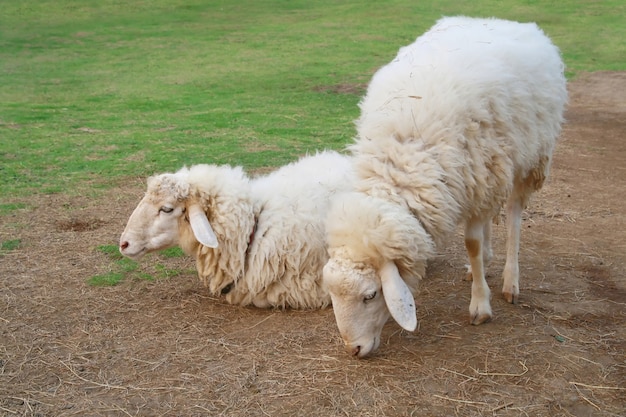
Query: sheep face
[(363, 298), (165, 214), (152, 226), (358, 304)]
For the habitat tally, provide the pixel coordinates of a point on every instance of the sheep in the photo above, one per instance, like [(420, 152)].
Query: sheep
[(256, 241), (461, 123)]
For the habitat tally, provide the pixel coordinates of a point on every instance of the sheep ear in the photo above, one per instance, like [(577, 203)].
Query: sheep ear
[(201, 227), (398, 297)]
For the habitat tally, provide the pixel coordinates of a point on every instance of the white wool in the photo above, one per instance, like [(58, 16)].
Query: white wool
[(460, 120), (283, 214), (472, 104)]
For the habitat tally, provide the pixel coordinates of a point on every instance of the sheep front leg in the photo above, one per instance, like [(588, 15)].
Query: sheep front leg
[(486, 248), (510, 275), (480, 308)]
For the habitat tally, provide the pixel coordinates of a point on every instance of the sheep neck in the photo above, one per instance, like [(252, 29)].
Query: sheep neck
[(228, 288), (251, 237)]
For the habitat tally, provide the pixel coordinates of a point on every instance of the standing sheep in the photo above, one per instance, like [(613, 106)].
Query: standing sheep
[(256, 241), (460, 123)]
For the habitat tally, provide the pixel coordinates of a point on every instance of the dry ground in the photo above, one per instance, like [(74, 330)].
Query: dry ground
[(166, 348)]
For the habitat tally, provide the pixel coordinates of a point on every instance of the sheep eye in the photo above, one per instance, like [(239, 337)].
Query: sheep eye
[(369, 297), (165, 209)]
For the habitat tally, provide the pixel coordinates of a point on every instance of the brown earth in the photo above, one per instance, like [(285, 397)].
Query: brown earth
[(166, 348)]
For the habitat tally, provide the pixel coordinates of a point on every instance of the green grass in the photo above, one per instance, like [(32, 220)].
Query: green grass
[(172, 252), (95, 92), (10, 207), (9, 245), (106, 280), (122, 268)]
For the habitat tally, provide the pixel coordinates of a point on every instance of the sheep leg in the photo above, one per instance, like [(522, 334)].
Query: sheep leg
[(510, 275), (487, 252), (480, 308)]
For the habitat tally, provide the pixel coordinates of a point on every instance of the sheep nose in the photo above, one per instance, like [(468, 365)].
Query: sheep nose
[(354, 351), (124, 245)]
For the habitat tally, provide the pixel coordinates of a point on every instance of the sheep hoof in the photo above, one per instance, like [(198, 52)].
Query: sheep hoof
[(477, 319), (510, 297)]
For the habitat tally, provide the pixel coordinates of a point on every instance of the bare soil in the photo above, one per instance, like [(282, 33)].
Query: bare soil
[(167, 348)]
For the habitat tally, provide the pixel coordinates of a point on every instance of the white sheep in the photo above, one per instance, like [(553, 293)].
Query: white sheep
[(256, 241), (460, 123)]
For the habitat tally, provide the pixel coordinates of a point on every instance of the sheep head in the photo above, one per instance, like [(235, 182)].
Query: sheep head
[(363, 298), (155, 222), (378, 252)]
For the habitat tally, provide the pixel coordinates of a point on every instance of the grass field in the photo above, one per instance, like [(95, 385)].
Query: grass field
[(95, 92)]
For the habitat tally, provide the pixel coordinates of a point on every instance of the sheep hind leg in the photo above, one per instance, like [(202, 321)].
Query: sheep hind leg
[(487, 252), (510, 275), (480, 307)]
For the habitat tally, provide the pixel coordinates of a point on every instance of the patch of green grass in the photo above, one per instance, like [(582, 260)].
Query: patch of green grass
[(112, 251), (123, 268), (174, 252), (127, 265), (165, 272), (93, 93), (9, 245), (144, 276), (106, 280), (10, 207)]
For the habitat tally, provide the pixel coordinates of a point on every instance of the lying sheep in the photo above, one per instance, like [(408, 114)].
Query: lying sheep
[(256, 241), (460, 123)]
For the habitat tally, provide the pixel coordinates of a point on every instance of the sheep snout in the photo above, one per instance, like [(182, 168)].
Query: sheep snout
[(129, 250), (354, 351), (362, 348)]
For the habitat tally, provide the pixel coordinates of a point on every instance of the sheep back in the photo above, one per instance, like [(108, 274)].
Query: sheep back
[(460, 116), (288, 252), (270, 229)]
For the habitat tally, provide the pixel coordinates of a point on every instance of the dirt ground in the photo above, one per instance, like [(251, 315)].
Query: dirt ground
[(166, 348)]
